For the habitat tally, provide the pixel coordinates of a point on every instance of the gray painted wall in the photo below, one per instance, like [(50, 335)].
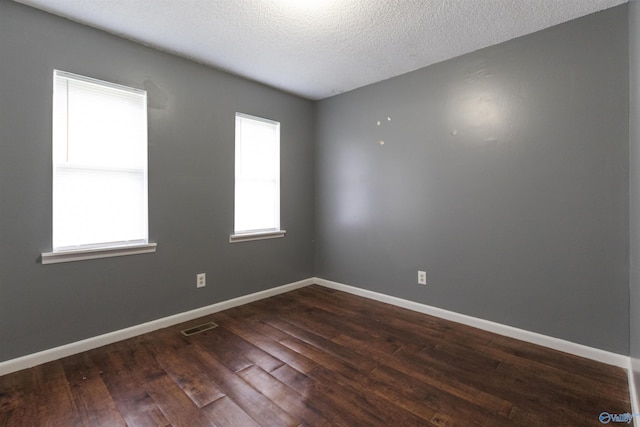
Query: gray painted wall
[(634, 186), (503, 174), (191, 152)]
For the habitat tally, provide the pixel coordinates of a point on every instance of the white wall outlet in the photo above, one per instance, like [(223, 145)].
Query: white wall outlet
[(422, 277), (201, 280)]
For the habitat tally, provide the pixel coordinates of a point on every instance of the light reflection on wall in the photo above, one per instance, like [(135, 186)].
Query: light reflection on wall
[(354, 204), (481, 110), (477, 108), (478, 116), (307, 6)]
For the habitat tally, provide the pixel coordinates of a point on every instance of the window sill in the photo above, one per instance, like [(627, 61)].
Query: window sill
[(84, 254), (247, 237)]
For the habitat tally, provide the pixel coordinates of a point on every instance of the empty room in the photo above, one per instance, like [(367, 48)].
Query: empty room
[(292, 213)]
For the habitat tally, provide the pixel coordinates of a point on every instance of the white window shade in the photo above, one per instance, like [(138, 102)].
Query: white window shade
[(99, 164), (257, 175)]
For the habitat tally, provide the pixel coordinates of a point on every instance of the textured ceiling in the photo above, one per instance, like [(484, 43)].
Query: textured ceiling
[(318, 48)]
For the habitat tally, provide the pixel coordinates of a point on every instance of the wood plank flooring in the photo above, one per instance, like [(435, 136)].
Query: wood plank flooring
[(316, 357)]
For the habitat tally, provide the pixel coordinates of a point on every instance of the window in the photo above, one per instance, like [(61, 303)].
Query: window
[(257, 179), (99, 169)]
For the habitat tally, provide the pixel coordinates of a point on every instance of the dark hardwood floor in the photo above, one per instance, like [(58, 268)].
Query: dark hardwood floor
[(316, 357)]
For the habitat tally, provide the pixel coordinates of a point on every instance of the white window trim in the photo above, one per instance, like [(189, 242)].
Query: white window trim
[(251, 235), (260, 235), (103, 252)]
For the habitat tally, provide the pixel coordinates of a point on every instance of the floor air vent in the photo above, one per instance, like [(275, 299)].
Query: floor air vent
[(198, 329)]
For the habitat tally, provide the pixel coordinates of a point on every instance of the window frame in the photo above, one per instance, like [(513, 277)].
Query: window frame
[(256, 234), (99, 249)]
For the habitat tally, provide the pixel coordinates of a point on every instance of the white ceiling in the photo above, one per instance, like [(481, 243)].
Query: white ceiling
[(319, 48)]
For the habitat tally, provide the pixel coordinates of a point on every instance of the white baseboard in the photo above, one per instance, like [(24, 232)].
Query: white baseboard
[(497, 328), (509, 331), (45, 356), (598, 355), (56, 353)]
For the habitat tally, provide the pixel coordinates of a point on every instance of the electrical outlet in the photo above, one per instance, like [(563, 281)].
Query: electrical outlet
[(422, 277), (201, 280)]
